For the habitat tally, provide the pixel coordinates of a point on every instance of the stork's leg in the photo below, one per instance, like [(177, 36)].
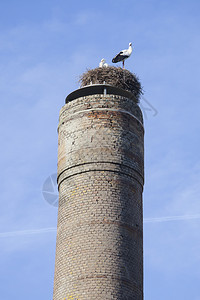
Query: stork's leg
[(123, 63)]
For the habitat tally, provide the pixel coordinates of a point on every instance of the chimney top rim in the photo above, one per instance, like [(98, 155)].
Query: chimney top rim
[(95, 89)]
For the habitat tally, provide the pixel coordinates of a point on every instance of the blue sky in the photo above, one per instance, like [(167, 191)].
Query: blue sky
[(44, 47)]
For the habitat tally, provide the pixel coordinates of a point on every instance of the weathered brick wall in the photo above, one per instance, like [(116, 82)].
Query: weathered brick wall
[(99, 251)]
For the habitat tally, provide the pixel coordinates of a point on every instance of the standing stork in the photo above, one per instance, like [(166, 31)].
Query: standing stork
[(122, 55)]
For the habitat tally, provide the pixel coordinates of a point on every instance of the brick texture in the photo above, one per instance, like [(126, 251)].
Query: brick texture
[(99, 250)]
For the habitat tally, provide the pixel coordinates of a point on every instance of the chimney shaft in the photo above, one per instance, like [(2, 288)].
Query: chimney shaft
[(99, 250)]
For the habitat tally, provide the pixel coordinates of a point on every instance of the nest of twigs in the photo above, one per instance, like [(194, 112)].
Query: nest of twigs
[(118, 77)]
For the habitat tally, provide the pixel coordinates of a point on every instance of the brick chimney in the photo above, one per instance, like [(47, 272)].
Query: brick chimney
[(99, 249)]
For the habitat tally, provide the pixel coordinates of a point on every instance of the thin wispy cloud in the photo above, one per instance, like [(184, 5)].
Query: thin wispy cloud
[(172, 218), (27, 232), (53, 229)]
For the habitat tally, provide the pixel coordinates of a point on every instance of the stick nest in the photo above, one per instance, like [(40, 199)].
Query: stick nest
[(115, 76)]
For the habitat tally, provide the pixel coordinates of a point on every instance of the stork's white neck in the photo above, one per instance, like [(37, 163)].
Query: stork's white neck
[(130, 49)]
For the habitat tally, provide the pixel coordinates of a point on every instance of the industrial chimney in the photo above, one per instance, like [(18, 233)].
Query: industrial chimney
[(99, 249)]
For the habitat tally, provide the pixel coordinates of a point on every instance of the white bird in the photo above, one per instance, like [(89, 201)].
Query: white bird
[(103, 63), (122, 55)]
